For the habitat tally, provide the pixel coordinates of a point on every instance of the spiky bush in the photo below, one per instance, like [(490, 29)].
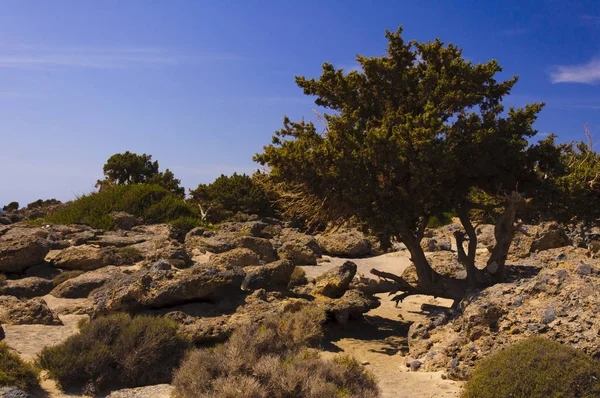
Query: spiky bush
[(116, 351)]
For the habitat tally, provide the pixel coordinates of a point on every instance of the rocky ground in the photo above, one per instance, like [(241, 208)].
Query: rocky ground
[(212, 281)]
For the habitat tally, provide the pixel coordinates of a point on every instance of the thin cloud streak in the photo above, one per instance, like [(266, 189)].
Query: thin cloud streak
[(588, 73), (97, 58)]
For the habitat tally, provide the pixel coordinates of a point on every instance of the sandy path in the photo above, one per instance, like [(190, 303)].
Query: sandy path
[(381, 340)]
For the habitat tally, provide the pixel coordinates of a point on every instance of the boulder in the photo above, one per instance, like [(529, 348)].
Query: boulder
[(239, 257), (81, 286), (300, 250), (262, 247), (13, 392), (26, 312), (211, 243), (84, 257), (334, 283), (257, 229), (22, 247), (352, 305), (345, 244), (26, 287), (271, 276), (125, 221), (552, 236), (157, 288)]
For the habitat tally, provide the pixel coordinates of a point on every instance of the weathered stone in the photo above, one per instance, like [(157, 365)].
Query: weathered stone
[(239, 257), (26, 287), (552, 236), (345, 244), (351, 305), (81, 286), (84, 257), (158, 289), (19, 312), (301, 250), (334, 283), (262, 247), (258, 229), (13, 392), (22, 247), (125, 221), (271, 276)]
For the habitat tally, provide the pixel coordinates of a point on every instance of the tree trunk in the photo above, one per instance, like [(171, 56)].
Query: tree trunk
[(504, 231)]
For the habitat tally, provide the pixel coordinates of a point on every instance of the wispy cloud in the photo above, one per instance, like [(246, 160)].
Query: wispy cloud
[(96, 58), (590, 19), (588, 73)]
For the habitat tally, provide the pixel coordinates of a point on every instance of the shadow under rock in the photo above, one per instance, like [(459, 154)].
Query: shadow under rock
[(389, 334), (517, 272)]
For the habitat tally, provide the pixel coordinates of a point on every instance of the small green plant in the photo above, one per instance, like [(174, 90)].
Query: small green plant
[(116, 351), (298, 278), (272, 360), (14, 372), (440, 220), (535, 368), (65, 276)]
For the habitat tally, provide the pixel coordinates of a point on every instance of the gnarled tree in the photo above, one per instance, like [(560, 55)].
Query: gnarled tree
[(416, 132)]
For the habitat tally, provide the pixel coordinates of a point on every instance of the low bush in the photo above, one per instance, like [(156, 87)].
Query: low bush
[(298, 278), (14, 372), (535, 368), (153, 203), (65, 276), (116, 351), (271, 359), (440, 220)]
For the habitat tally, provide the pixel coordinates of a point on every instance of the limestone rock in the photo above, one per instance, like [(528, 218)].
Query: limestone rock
[(300, 250), (161, 288), (239, 257), (81, 286), (335, 283), (271, 276), (552, 236), (22, 247), (352, 305), (13, 392), (125, 221), (262, 247), (20, 312), (26, 287), (345, 244), (84, 257)]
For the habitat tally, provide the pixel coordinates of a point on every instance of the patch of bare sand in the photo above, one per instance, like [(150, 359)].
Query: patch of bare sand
[(381, 338)]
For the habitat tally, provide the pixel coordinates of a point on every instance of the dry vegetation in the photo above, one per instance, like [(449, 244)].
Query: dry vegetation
[(273, 360)]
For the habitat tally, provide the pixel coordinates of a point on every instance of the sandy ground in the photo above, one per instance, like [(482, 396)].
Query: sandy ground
[(380, 340)]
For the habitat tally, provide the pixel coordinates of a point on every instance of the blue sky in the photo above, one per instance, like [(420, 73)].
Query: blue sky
[(202, 85)]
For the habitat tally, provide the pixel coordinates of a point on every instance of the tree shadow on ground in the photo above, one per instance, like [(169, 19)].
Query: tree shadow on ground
[(388, 335), (514, 272)]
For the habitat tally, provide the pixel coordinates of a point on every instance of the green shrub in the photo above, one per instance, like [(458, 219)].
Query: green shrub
[(535, 368), (271, 360), (116, 351), (228, 195), (440, 220), (12, 206), (298, 278), (151, 202), (14, 372), (65, 276)]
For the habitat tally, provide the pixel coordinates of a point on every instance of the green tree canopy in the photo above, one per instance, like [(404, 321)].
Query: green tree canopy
[(417, 132), (131, 168), (228, 195)]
